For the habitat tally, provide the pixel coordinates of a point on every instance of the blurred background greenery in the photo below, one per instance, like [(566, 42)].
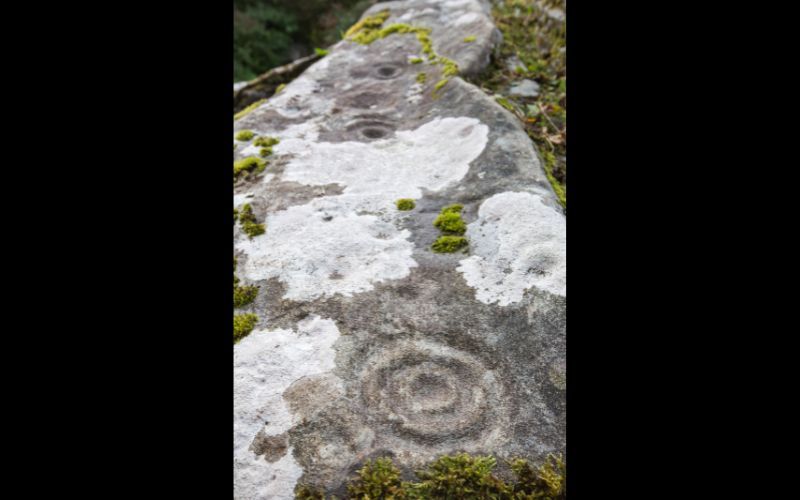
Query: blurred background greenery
[(269, 33)]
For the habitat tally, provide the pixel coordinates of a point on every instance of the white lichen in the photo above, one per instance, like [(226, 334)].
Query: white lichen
[(347, 243), (265, 364), (516, 243)]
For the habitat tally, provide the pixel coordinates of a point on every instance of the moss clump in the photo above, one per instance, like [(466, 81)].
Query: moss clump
[(450, 223), (320, 52), (454, 477), (449, 244), (249, 109), (469, 39), (279, 88), (243, 295), (266, 142), (248, 165), (243, 324), (265, 152), (378, 479), (305, 492), (415, 60), (235, 216), (245, 135), (405, 204), (248, 222), (421, 77), (366, 28), (454, 208), (462, 476), (548, 481)]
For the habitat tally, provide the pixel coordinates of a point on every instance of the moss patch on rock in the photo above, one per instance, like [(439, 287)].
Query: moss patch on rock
[(251, 164), (248, 222), (244, 135), (405, 204), (449, 244), (454, 476), (243, 324)]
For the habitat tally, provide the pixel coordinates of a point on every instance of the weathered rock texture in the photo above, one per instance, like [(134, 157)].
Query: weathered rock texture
[(368, 343)]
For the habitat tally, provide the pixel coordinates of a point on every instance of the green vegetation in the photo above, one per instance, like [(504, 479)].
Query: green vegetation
[(449, 244), (421, 77), (248, 222), (538, 41), (378, 479), (266, 141), (460, 476), (454, 208), (249, 109), (248, 165), (243, 324), (371, 28), (320, 52), (450, 223), (405, 204), (244, 135), (415, 60), (469, 39)]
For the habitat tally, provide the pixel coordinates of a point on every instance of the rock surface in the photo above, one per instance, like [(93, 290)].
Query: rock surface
[(525, 88), (368, 343)]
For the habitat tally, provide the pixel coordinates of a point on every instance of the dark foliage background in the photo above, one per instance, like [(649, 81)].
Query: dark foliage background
[(269, 33)]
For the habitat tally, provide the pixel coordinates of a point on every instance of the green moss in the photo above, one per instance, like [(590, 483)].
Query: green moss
[(454, 208), (421, 77), (248, 222), (249, 109), (366, 28), (370, 29), (243, 295), (249, 165), (235, 218), (415, 60), (559, 188), (547, 481), (469, 39), (305, 492), (279, 88), (461, 476), (450, 223), (245, 135), (449, 244), (320, 52), (378, 479), (405, 204), (266, 142), (243, 324), (441, 83)]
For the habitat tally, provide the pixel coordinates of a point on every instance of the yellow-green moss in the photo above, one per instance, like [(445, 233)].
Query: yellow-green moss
[(560, 189), (245, 135), (247, 220), (378, 479), (415, 60), (249, 164), (461, 476), (421, 77), (249, 109), (454, 208), (469, 39), (405, 204), (320, 52), (235, 218), (370, 29), (265, 141), (366, 27), (243, 324), (449, 244), (279, 88), (450, 223), (505, 103)]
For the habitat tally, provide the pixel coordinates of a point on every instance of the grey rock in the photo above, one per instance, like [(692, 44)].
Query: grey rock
[(368, 343), (525, 88)]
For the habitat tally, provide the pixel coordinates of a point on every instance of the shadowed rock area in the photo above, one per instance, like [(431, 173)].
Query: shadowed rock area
[(368, 343)]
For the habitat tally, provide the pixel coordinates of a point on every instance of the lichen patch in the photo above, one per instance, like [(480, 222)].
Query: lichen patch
[(516, 243)]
